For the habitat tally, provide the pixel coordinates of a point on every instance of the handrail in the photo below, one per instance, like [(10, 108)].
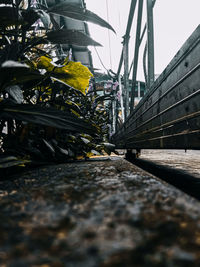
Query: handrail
[(128, 29), (148, 27)]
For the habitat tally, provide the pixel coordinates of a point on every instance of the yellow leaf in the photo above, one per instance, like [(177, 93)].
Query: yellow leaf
[(45, 63), (89, 154), (75, 113), (79, 157), (79, 74)]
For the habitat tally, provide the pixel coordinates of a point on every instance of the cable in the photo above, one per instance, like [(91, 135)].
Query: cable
[(100, 59), (109, 34), (119, 17)]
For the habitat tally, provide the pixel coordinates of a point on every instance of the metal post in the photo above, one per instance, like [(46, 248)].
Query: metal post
[(141, 39), (113, 116), (136, 53), (121, 98), (110, 119), (145, 26), (128, 29), (120, 63), (150, 43), (139, 90), (117, 113), (126, 79)]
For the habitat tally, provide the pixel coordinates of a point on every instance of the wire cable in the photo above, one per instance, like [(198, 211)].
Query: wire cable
[(100, 59), (119, 17), (109, 41)]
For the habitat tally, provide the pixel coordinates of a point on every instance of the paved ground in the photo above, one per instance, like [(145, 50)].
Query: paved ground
[(101, 213), (188, 161)]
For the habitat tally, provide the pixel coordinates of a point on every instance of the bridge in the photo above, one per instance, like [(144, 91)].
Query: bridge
[(102, 211), (168, 116)]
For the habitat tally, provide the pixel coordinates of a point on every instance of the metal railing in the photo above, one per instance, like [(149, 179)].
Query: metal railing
[(126, 104), (168, 116)]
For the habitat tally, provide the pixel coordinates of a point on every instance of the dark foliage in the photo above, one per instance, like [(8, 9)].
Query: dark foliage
[(43, 117)]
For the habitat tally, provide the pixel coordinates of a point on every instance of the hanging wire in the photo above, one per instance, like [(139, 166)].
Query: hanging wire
[(100, 59), (119, 17), (109, 34)]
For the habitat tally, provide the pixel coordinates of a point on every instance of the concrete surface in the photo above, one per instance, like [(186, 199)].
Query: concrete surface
[(188, 161), (96, 213)]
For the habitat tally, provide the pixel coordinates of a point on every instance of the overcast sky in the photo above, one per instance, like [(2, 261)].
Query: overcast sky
[(174, 21)]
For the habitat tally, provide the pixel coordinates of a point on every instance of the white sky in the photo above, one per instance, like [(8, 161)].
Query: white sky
[(174, 22)]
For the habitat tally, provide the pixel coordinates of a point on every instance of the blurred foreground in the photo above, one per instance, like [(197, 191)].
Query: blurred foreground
[(104, 212)]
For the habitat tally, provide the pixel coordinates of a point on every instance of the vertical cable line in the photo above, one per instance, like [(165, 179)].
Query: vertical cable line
[(109, 34), (101, 61), (119, 17)]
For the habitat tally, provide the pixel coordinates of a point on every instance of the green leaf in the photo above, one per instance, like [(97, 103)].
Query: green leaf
[(7, 158), (102, 98), (10, 161), (54, 22), (71, 37), (14, 64), (66, 86), (85, 140), (13, 72), (49, 147), (9, 16), (45, 116), (95, 152), (63, 151), (78, 13), (108, 147), (6, 2), (30, 16), (45, 18), (16, 93), (68, 105)]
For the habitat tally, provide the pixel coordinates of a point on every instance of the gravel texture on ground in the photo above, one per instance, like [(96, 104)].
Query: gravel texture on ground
[(96, 213)]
